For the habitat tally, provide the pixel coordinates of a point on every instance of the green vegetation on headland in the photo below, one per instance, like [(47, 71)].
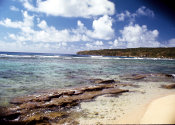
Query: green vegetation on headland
[(134, 52)]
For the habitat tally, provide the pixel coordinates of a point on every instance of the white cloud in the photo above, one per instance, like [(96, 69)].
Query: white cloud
[(110, 43), (145, 11), (12, 36), (80, 24), (13, 8), (72, 8), (45, 33), (122, 16), (102, 28), (50, 34), (24, 25), (171, 43), (43, 37), (12, 46), (119, 44), (133, 36), (42, 24), (98, 43), (88, 45), (142, 11), (18, 46), (95, 45)]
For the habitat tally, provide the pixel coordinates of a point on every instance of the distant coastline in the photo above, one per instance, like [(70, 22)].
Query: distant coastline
[(134, 52)]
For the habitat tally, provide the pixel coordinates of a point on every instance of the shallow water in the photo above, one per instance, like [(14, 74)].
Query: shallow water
[(28, 73)]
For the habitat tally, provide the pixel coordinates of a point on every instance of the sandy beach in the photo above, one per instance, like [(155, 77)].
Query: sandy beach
[(158, 111), (148, 104)]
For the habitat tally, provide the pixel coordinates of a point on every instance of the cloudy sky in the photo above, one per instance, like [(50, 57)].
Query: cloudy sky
[(68, 26)]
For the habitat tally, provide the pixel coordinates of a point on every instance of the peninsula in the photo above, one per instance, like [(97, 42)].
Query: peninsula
[(134, 52)]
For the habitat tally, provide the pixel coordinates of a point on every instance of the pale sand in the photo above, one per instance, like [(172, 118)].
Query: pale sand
[(128, 108), (159, 111)]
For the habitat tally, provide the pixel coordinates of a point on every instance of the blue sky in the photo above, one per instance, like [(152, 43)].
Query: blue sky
[(59, 26)]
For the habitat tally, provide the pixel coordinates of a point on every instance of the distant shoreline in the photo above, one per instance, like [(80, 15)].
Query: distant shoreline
[(168, 53)]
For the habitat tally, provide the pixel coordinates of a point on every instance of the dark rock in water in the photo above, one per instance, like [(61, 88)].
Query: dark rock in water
[(170, 75), (101, 81), (95, 80), (156, 77), (135, 77), (139, 77), (7, 114), (170, 86), (47, 108), (107, 82)]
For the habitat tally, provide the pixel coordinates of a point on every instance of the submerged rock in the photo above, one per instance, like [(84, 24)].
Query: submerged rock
[(170, 75), (101, 81), (136, 77), (139, 77), (169, 86), (156, 77)]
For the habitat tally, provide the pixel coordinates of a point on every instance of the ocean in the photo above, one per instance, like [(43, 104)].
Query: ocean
[(30, 73)]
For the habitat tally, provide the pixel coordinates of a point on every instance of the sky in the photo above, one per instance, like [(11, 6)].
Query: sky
[(69, 26)]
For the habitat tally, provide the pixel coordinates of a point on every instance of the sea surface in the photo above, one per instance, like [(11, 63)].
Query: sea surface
[(28, 73)]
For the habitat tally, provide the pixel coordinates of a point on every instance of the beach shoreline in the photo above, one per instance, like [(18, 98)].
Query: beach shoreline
[(103, 101), (159, 110), (128, 108)]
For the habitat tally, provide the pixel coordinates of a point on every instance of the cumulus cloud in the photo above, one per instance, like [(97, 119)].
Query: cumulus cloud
[(171, 43), (72, 8), (28, 21), (95, 45), (13, 8), (133, 36), (142, 11), (145, 11), (36, 35), (98, 43), (102, 28), (24, 25), (45, 34), (122, 16), (50, 34)]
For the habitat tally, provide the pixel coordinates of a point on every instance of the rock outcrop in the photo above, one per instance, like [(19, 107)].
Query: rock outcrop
[(169, 86), (156, 77), (101, 81), (52, 106)]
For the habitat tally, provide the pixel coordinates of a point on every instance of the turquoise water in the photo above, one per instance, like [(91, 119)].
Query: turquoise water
[(28, 73)]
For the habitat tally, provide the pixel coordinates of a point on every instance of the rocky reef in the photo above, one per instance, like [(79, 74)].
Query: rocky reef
[(169, 86), (156, 77), (53, 107)]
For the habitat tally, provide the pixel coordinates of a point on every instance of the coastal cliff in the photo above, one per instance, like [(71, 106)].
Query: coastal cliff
[(134, 52)]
